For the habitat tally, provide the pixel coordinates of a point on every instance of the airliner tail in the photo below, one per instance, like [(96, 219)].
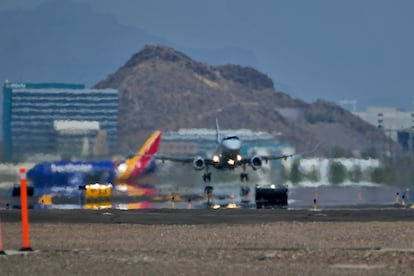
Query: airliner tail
[(137, 165), (217, 132)]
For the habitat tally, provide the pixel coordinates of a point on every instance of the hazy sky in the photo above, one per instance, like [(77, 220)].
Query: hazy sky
[(330, 49)]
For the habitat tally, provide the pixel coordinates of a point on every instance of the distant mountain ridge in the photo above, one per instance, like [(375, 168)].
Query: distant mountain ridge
[(69, 41), (161, 88)]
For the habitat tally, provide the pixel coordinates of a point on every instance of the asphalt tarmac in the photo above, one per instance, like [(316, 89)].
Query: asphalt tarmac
[(363, 240), (213, 216)]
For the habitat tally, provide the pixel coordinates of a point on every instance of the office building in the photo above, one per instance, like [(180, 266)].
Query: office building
[(59, 119)]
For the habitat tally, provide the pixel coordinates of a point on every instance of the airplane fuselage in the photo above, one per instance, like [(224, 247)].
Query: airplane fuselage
[(47, 175), (63, 173), (75, 174), (227, 154)]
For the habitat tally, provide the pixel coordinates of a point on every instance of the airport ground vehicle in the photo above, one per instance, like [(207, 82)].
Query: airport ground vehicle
[(271, 196)]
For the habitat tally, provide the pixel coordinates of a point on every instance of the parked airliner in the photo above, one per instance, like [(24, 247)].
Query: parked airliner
[(48, 176)]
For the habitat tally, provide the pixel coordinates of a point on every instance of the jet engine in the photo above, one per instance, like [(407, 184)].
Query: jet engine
[(199, 163), (256, 162)]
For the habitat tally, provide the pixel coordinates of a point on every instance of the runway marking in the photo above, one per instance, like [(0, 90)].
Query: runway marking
[(357, 266), (409, 250), (18, 252), (107, 214)]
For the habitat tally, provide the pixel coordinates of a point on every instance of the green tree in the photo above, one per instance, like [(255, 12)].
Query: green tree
[(337, 172), (384, 175), (295, 173), (313, 175)]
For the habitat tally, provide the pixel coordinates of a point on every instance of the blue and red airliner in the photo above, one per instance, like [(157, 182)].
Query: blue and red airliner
[(66, 178)]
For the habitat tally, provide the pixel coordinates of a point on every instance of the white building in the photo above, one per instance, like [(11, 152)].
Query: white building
[(397, 124)]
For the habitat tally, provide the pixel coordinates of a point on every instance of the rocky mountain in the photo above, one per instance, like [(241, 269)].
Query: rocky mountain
[(32, 41), (161, 88)]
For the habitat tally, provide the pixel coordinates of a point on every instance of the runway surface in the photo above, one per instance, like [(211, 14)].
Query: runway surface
[(364, 240), (211, 216)]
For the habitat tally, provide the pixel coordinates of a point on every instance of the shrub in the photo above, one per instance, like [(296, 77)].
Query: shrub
[(337, 172)]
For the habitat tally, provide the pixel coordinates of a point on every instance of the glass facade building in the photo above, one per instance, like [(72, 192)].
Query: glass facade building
[(30, 113)]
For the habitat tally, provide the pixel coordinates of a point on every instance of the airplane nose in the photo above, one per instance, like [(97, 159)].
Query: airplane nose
[(232, 144)]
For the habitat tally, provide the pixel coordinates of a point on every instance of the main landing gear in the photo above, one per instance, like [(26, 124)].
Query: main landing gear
[(207, 177), (208, 189), (244, 175)]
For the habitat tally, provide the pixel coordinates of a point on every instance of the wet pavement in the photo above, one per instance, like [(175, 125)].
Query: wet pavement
[(225, 195), (212, 216)]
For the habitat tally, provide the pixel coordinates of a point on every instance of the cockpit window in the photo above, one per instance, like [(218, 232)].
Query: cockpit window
[(231, 138)]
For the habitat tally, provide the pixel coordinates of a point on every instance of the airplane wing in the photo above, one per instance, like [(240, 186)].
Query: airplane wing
[(201, 161), (198, 162), (277, 157), (256, 160), (174, 158)]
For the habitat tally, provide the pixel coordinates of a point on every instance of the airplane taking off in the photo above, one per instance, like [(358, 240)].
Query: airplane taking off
[(226, 156), (70, 176)]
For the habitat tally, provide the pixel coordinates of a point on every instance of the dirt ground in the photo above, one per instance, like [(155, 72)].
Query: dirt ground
[(277, 248)]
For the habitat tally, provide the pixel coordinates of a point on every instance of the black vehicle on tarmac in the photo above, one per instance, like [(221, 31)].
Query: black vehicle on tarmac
[(271, 196)]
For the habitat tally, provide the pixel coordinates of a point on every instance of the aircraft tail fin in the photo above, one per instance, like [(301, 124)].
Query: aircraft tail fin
[(151, 145), (218, 138), (140, 162)]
